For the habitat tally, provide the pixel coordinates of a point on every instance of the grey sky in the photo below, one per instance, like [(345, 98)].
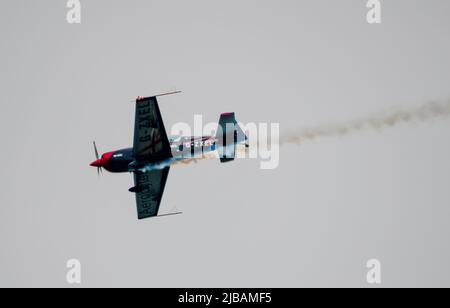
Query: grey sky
[(315, 221)]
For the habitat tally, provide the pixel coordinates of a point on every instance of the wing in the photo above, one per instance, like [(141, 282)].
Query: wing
[(150, 138), (149, 190)]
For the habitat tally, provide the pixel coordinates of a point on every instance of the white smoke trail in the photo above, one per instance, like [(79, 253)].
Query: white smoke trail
[(213, 155), (422, 113), (203, 156)]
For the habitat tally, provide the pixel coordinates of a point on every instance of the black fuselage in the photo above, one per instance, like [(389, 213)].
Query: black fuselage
[(120, 160)]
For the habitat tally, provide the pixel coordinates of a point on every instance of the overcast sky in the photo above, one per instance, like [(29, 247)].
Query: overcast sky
[(332, 204)]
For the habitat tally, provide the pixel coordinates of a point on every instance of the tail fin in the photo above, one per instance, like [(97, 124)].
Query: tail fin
[(229, 133)]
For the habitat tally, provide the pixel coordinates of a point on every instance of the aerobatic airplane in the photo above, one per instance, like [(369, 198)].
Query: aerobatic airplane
[(153, 152)]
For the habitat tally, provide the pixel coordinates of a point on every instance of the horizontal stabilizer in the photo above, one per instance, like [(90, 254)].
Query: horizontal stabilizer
[(229, 133)]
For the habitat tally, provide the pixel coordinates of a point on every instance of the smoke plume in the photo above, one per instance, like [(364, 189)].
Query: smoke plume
[(422, 113)]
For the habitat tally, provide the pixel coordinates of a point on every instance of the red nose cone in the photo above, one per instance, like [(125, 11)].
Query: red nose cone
[(97, 163)]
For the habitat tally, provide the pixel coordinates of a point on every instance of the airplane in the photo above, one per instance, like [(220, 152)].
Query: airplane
[(153, 152)]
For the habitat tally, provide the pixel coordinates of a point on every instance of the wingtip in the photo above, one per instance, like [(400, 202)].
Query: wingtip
[(168, 93), (140, 98)]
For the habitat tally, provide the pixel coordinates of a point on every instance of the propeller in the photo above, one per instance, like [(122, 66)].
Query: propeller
[(97, 156)]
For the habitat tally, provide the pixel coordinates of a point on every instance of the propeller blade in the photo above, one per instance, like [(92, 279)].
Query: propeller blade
[(96, 151)]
